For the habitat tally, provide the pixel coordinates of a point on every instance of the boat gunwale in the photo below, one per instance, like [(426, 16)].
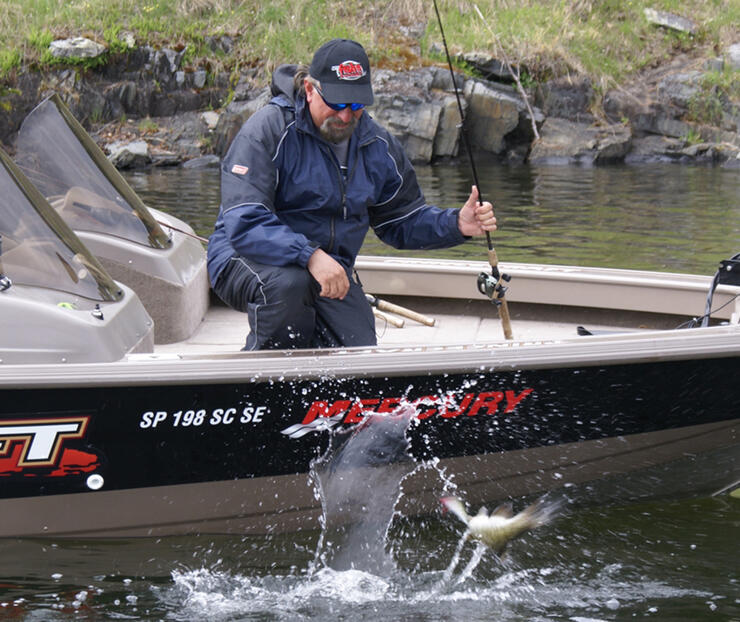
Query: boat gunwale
[(528, 280), (385, 361), (624, 346)]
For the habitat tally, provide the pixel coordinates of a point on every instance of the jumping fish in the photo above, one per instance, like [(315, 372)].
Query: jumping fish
[(502, 525)]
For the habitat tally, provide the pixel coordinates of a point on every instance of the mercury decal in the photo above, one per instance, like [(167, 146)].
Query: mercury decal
[(325, 415)]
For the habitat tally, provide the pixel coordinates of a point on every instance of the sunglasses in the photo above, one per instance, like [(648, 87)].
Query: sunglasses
[(340, 107)]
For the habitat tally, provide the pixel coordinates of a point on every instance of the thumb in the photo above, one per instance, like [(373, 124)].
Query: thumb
[(474, 196)]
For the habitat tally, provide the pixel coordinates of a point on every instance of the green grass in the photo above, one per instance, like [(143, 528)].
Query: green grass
[(607, 39)]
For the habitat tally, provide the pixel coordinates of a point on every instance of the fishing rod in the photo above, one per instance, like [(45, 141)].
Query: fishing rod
[(200, 238), (488, 285)]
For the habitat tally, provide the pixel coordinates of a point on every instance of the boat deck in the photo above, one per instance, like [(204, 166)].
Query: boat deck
[(224, 330), (546, 304)]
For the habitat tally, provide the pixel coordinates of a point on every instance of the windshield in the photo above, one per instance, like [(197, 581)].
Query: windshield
[(38, 248), (71, 171)]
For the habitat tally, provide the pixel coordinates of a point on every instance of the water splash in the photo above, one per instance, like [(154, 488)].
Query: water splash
[(494, 532), (358, 482)]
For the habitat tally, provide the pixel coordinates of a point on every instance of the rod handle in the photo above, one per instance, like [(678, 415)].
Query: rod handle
[(390, 307), (393, 321)]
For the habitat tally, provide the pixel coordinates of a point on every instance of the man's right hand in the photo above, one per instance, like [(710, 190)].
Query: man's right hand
[(329, 273)]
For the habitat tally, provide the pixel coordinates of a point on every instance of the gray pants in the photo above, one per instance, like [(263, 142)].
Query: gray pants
[(285, 310)]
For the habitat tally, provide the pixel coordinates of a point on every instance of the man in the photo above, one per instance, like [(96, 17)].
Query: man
[(302, 182)]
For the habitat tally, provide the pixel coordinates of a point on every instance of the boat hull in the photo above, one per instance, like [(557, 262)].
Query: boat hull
[(234, 456)]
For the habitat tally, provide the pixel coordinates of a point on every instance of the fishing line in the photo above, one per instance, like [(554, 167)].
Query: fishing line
[(490, 286), (462, 115)]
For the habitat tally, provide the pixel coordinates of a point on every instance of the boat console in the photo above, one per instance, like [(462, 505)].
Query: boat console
[(156, 255), (58, 303)]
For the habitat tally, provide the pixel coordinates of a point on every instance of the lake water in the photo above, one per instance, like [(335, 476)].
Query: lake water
[(664, 217), (673, 559)]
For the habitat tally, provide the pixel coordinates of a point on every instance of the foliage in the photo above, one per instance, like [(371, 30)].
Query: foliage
[(607, 39), (148, 126), (692, 137), (718, 89)]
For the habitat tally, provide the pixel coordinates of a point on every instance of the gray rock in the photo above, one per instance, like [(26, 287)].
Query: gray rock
[(222, 44), (121, 94), (412, 83), (206, 161), (489, 66), (733, 163), (613, 144), (199, 78), (413, 121), (244, 90), (568, 98), (659, 122), (76, 47), (413, 111), (127, 38), (66, 81), (493, 112), (655, 148), (711, 153), (165, 64), (162, 158), (731, 121), (733, 56), (231, 120), (565, 142), (129, 155), (680, 89), (189, 135), (670, 20), (715, 64), (447, 139), (211, 119), (442, 80)]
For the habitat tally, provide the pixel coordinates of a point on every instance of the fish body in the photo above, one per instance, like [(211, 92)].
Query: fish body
[(497, 529)]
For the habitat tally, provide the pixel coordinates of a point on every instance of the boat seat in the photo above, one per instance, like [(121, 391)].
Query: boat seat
[(172, 283)]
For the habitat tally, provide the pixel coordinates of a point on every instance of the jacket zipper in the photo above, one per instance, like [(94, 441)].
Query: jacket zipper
[(343, 188), (332, 225)]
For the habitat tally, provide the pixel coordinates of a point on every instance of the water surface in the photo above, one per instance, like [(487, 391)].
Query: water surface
[(663, 217)]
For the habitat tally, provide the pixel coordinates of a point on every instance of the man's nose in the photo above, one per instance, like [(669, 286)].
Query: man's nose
[(345, 115)]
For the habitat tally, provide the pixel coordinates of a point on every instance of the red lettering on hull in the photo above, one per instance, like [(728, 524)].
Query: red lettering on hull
[(485, 403)]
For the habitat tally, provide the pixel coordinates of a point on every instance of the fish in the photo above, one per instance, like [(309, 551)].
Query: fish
[(498, 528)]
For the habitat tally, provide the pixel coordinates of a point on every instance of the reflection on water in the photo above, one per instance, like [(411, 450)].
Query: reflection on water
[(670, 560), (664, 217)]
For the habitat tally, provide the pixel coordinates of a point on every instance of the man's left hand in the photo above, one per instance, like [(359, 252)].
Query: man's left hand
[(476, 218)]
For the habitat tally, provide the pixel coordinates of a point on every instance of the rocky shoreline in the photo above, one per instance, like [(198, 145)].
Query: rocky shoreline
[(144, 109)]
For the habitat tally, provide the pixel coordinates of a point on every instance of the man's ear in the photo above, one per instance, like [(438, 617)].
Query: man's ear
[(309, 89)]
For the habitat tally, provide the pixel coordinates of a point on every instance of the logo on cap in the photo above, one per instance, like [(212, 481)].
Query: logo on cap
[(349, 70)]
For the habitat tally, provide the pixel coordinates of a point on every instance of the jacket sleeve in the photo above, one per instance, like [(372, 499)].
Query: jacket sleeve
[(403, 219), (248, 181)]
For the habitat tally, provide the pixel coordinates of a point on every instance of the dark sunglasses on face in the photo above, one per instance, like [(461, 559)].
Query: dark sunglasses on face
[(340, 107)]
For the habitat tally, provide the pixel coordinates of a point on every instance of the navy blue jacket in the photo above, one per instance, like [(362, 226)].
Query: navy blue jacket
[(283, 195)]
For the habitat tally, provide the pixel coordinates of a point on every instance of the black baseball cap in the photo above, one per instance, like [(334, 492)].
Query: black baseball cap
[(343, 69)]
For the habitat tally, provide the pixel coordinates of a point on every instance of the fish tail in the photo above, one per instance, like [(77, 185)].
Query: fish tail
[(540, 512), (454, 505)]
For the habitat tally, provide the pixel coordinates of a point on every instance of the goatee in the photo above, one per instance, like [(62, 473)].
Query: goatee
[(335, 130)]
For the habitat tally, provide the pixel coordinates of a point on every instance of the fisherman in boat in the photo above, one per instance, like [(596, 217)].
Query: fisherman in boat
[(302, 182)]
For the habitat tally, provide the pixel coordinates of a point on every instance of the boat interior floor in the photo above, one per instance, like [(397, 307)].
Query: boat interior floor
[(224, 330)]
